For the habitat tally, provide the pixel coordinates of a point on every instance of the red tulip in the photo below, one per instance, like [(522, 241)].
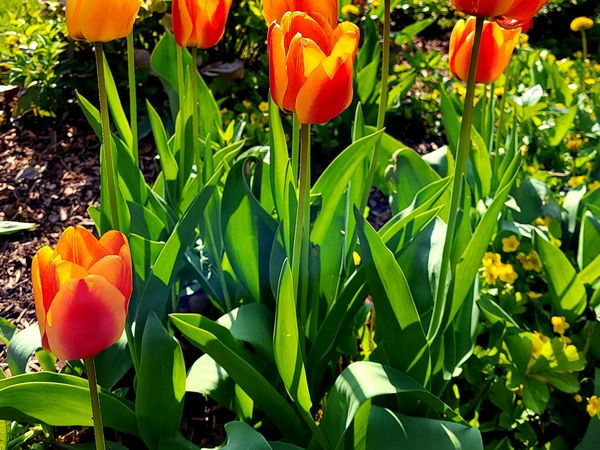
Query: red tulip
[(512, 13), (310, 66), (497, 46), (199, 23), (82, 290)]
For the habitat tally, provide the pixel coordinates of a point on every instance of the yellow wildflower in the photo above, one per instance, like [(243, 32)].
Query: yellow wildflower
[(246, 104), (589, 81), (559, 324), (263, 106), (491, 262), (570, 352), (491, 259), (543, 221), (578, 398), (573, 145), (507, 273), (576, 181), (530, 261), (593, 406), (537, 340), (565, 340), (356, 258), (581, 23), (510, 244), (523, 38), (350, 10), (534, 295), (518, 297)]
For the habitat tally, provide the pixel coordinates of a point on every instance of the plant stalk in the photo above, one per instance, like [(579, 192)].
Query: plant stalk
[(106, 137), (133, 117), (96, 413), (460, 168), (194, 85), (295, 144), (182, 146), (302, 215)]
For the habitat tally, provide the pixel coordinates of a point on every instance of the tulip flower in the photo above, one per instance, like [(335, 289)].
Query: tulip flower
[(497, 45), (275, 9), (101, 21), (512, 13), (82, 290), (199, 23), (310, 66)]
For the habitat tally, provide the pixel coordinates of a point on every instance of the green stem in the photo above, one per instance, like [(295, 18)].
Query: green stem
[(383, 98), (462, 158), (194, 85), (584, 52), (132, 97), (106, 137), (96, 413), (302, 215), (182, 149), (295, 144)]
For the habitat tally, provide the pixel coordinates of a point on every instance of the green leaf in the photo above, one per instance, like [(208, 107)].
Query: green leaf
[(66, 402), (286, 342), (116, 108), (362, 381), (7, 227), (242, 215), (397, 315), (160, 385), (241, 436), (386, 426), (566, 290), (167, 160), (7, 330), (589, 239), (450, 118), (218, 342), (113, 363), (23, 344)]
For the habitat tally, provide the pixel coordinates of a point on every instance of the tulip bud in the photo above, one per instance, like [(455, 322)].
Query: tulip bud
[(199, 23), (310, 66), (497, 46), (82, 290), (101, 21), (510, 13), (327, 9)]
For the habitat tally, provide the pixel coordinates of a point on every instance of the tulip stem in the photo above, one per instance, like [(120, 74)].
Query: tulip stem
[(584, 51), (460, 167), (194, 85), (383, 98), (96, 413), (106, 137), (301, 234), (132, 97), (295, 143), (181, 132)]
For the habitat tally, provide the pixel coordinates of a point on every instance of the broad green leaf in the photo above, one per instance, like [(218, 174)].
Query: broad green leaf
[(589, 239), (7, 330), (481, 167), (243, 216), (362, 381), (218, 342), (450, 118), (397, 315), (22, 345), (66, 402), (241, 436), (167, 161), (116, 108), (7, 227), (566, 290), (407, 432), (4, 434), (113, 363), (286, 342), (160, 385)]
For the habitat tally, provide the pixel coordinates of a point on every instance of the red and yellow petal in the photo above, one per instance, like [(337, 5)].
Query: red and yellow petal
[(80, 246), (42, 279), (182, 22), (117, 272), (278, 78), (485, 8), (86, 317)]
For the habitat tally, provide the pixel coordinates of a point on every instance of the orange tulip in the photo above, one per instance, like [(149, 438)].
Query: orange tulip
[(275, 9), (101, 21), (512, 12), (81, 291), (199, 23), (310, 66), (497, 45)]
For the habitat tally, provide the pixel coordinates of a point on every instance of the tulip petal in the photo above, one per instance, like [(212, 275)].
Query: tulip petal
[(72, 14), (182, 22), (103, 21), (117, 272), (278, 78), (42, 280), (80, 246), (485, 8), (303, 56), (86, 317)]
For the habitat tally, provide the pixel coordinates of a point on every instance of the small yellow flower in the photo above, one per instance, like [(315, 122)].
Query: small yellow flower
[(350, 10), (570, 352), (263, 106), (530, 261), (518, 297), (510, 244), (581, 23), (565, 340), (356, 258), (589, 81), (559, 324), (544, 221), (573, 145), (578, 398), (576, 181), (534, 295), (593, 406), (523, 38), (507, 273), (247, 104), (491, 259), (538, 340)]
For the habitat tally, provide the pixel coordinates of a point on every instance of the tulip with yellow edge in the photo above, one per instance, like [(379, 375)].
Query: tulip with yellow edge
[(274, 10), (497, 46)]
